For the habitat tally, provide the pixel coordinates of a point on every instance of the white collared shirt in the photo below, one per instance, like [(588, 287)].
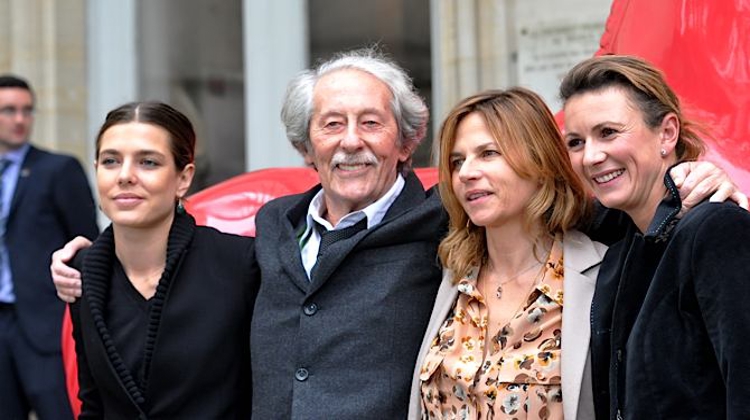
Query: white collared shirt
[(309, 241)]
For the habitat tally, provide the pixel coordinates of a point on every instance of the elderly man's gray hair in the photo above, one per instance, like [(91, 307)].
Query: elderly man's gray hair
[(409, 110)]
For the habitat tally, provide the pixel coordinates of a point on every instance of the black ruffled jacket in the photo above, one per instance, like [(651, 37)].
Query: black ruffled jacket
[(196, 355), (669, 323)]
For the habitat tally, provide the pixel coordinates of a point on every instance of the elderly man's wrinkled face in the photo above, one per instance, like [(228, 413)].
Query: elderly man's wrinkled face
[(355, 140)]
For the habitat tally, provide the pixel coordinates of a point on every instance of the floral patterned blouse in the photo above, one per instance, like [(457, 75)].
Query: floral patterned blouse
[(519, 377)]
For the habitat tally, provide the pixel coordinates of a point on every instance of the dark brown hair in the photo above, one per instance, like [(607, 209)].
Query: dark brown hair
[(8, 81), (181, 133)]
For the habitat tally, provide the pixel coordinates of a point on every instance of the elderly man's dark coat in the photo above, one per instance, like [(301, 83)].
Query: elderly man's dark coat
[(343, 344)]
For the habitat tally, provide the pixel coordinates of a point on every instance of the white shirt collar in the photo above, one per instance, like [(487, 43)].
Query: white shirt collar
[(309, 241), (374, 213)]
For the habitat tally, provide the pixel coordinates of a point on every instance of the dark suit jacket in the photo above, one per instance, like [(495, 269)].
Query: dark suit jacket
[(343, 346), (52, 204), (196, 355)]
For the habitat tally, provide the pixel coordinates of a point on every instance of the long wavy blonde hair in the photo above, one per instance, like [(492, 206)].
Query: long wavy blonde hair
[(528, 137)]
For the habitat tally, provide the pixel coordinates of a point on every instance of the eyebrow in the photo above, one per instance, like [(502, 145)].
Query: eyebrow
[(596, 127), (363, 111), (138, 153), (479, 148)]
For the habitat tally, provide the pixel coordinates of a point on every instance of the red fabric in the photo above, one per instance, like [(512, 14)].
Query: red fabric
[(69, 363), (703, 47), (230, 206)]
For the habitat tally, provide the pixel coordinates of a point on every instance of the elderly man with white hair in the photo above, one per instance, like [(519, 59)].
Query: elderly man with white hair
[(338, 322)]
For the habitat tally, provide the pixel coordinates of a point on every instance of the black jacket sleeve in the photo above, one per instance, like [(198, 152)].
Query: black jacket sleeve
[(606, 225), (719, 263)]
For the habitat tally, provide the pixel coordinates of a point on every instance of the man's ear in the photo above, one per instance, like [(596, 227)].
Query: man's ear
[(309, 162), (306, 155), (406, 150)]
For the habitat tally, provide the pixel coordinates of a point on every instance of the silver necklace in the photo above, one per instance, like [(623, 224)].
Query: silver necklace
[(499, 290)]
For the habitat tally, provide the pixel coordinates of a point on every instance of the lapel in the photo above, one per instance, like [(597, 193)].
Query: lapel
[(286, 238), (444, 301), (96, 353), (24, 178), (582, 258), (410, 197), (96, 274)]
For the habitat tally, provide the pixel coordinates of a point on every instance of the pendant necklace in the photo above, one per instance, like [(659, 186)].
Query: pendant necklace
[(499, 290)]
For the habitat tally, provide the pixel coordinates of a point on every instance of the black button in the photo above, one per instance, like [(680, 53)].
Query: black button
[(310, 309), (301, 374)]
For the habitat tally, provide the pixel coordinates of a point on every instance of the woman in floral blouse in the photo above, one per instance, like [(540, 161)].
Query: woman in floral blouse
[(493, 348)]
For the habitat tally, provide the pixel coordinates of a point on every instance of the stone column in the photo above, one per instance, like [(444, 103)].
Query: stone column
[(483, 44), (274, 53), (44, 42), (471, 51)]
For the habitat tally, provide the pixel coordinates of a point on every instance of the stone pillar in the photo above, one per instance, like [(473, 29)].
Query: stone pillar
[(483, 44), (44, 42), (470, 51), (274, 53)]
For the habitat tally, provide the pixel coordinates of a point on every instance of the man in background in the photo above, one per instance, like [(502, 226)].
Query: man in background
[(45, 200)]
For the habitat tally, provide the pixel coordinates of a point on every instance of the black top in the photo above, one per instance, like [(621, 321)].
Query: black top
[(127, 317), (194, 354)]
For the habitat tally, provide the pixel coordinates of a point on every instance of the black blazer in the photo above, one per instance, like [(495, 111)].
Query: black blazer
[(196, 355), (669, 326), (51, 205), (343, 346)]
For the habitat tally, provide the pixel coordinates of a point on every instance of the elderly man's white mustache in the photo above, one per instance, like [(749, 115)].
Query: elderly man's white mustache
[(359, 158)]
